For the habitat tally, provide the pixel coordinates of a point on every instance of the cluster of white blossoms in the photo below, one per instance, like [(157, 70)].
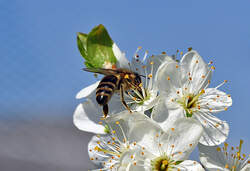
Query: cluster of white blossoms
[(171, 116)]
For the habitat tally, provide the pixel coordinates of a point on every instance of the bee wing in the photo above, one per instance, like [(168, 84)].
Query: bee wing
[(101, 71)]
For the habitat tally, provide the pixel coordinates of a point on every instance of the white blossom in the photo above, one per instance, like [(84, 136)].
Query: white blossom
[(224, 159), (150, 148), (184, 93), (89, 112)]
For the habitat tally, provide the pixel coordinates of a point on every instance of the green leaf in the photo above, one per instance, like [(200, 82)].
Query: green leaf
[(82, 44), (106, 129), (99, 48), (189, 115)]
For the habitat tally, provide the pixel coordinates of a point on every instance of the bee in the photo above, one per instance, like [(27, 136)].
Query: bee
[(115, 80)]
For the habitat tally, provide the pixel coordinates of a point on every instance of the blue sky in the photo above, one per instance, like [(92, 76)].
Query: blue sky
[(40, 66)]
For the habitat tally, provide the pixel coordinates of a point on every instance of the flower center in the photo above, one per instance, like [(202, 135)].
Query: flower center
[(189, 102), (161, 163)]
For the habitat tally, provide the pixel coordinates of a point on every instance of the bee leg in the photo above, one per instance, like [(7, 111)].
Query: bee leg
[(122, 99), (105, 109)]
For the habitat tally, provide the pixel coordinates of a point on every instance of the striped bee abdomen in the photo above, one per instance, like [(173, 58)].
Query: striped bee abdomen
[(106, 89)]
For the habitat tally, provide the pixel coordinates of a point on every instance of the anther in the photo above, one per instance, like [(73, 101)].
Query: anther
[(196, 61), (190, 145), (172, 129), (176, 66), (151, 63), (212, 67), (126, 76), (150, 75), (168, 78), (117, 122), (190, 48), (164, 53)]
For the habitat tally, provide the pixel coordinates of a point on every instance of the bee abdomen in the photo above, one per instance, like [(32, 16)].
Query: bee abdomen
[(106, 89)]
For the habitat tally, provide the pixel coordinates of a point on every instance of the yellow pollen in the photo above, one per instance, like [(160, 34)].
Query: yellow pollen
[(228, 95), (113, 131), (180, 152), (139, 48), (202, 91), (212, 67), (118, 156), (142, 153), (135, 163), (208, 81), (98, 136), (98, 142), (140, 85), (233, 167), (150, 75), (134, 98), (152, 55), (165, 162), (164, 53), (117, 122), (225, 108), (226, 166), (160, 145), (218, 149), (178, 169), (244, 155), (131, 156), (203, 76), (168, 78), (100, 122), (113, 138), (181, 53), (199, 107), (217, 125), (176, 66), (225, 81), (151, 63), (157, 135), (190, 145), (126, 76), (172, 129), (91, 158), (109, 142)]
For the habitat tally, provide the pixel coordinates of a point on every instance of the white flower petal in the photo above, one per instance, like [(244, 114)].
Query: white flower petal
[(86, 118), (214, 100), (122, 61), (97, 157), (182, 138), (193, 64), (136, 127), (87, 91), (166, 114), (188, 165), (156, 61), (168, 77), (212, 159), (246, 167), (215, 130)]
